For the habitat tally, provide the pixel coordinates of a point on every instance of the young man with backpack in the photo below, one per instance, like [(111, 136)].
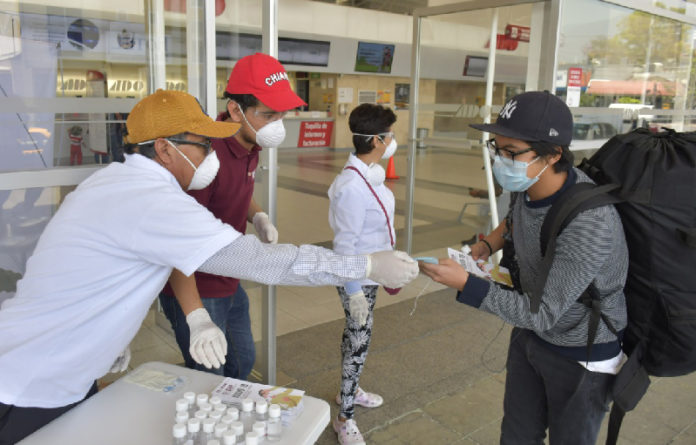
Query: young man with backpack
[(560, 368)]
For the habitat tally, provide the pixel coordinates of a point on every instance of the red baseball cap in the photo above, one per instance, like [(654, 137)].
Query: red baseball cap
[(265, 78)]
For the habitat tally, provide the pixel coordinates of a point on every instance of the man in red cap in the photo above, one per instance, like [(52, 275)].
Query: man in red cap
[(259, 95)]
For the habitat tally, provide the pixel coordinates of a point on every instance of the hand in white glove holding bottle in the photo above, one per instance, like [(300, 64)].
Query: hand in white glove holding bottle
[(392, 268), (358, 307), (208, 345)]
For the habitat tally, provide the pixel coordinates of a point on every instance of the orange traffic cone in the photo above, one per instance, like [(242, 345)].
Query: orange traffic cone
[(391, 171)]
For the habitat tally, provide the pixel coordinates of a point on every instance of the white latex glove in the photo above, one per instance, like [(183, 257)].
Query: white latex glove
[(208, 344), (391, 268), (264, 228), (358, 307), (121, 363)]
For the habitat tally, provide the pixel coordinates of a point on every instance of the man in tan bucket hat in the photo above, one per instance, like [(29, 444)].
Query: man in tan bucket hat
[(112, 245)]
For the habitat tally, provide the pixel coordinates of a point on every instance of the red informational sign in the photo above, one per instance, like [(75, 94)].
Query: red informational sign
[(575, 77), (503, 43), (315, 134), (517, 32)]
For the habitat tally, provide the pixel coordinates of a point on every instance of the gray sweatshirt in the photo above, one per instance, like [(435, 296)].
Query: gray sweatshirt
[(591, 249)]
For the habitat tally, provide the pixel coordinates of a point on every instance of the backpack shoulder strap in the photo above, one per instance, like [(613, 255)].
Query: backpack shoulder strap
[(577, 198)]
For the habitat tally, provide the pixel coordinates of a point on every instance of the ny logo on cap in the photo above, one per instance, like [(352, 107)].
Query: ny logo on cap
[(507, 110), (553, 132)]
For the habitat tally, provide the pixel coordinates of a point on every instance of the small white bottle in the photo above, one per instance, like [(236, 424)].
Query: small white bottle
[(200, 415), (220, 429), (247, 415), (261, 411), (207, 407), (274, 427), (201, 398), (260, 429), (179, 434), (182, 405), (229, 438), (215, 415), (190, 397), (181, 417), (252, 438), (221, 408), (213, 442), (208, 432), (215, 401), (238, 428), (227, 420), (194, 427), (234, 412)]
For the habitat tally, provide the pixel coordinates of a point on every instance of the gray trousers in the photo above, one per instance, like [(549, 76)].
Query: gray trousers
[(544, 390)]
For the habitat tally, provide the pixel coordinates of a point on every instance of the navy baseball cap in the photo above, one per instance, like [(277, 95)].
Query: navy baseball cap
[(534, 116)]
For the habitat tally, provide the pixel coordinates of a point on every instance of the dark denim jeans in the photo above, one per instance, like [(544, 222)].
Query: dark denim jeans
[(546, 390), (231, 314)]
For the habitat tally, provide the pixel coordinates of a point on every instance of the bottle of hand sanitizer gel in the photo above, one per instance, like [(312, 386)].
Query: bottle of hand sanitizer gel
[(261, 411), (247, 414), (274, 426)]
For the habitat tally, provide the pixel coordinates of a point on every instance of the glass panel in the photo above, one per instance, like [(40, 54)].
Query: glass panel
[(451, 203), (50, 53), (23, 215), (638, 64)]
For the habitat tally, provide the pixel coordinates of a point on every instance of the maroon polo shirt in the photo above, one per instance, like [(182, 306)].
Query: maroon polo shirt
[(228, 198)]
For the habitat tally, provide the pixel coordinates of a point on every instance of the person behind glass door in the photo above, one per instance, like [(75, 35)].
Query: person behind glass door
[(361, 214), (259, 94), (76, 143)]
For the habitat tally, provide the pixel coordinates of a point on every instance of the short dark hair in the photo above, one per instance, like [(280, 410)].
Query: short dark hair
[(148, 150), (369, 119), (566, 161), (243, 100)]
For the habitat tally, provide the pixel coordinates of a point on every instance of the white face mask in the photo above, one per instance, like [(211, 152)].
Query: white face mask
[(390, 150), (375, 174), (270, 135), (203, 174)]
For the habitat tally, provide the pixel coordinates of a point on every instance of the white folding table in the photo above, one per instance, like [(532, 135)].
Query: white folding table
[(128, 413)]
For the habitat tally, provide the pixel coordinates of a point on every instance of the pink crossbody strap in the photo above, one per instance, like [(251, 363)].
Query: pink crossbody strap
[(391, 237)]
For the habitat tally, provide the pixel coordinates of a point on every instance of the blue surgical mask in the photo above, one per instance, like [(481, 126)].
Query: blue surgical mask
[(512, 175)]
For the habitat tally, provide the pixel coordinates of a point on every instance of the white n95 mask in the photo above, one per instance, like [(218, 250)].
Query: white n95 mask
[(375, 174), (204, 174), (390, 150), (270, 135)]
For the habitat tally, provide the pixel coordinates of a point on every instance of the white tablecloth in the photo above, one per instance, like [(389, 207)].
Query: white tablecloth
[(127, 413)]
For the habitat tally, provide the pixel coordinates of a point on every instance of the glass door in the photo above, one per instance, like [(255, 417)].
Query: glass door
[(493, 53)]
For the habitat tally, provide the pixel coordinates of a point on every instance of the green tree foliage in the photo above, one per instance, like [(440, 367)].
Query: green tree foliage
[(629, 46)]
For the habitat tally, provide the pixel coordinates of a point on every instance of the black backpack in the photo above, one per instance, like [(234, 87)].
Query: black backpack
[(651, 178)]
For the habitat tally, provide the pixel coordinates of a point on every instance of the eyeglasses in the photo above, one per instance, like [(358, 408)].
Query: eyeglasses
[(504, 152), (388, 134), (206, 146), (270, 116)]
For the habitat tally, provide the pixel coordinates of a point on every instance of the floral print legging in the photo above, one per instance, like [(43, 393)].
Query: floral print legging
[(356, 340)]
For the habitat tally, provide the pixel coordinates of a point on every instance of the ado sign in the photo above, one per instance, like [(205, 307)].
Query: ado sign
[(315, 134)]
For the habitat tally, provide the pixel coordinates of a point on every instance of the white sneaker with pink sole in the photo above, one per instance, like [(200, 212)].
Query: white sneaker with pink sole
[(364, 398)]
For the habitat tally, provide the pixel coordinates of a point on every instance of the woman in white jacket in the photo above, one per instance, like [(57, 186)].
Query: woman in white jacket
[(361, 215)]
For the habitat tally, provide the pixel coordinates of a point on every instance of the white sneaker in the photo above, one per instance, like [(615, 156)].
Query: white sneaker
[(348, 432), (364, 398)]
